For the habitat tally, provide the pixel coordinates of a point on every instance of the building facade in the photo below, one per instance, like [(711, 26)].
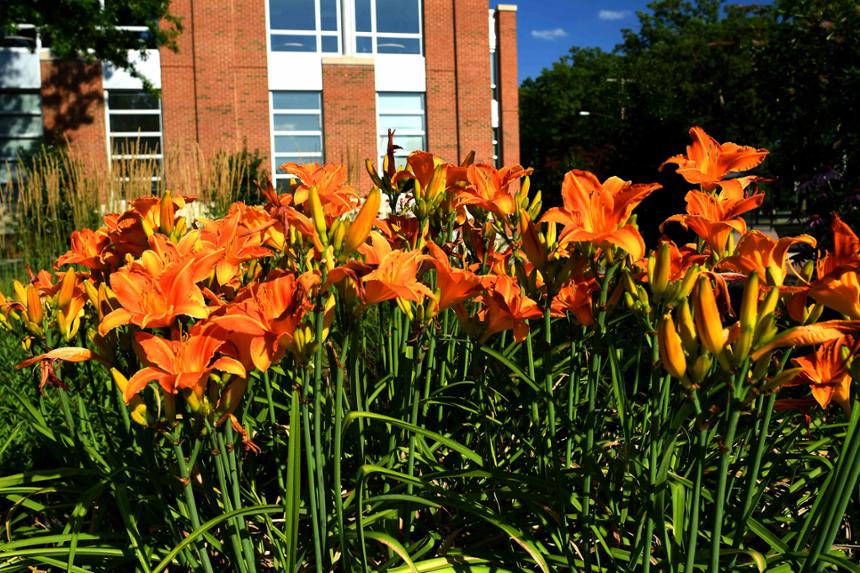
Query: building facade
[(294, 80)]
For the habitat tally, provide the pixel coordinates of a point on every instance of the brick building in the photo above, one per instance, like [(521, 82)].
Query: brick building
[(295, 80)]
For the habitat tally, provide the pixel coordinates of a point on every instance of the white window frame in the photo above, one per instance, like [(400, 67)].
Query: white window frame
[(374, 34), (311, 156), (318, 32), (382, 132), (111, 134)]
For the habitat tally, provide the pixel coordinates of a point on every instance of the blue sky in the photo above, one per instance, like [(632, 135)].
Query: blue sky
[(546, 29)]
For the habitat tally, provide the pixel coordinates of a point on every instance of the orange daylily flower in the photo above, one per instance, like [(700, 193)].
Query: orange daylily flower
[(575, 297), (453, 285), (492, 189), (160, 286), (597, 212), (336, 196), (183, 363), (395, 275), (236, 242), (263, 318), (507, 309), (707, 162), (756, 252), (87, 249), (47, 363), (714, 217), (810, 334), (846, 250), (841, 293), (826, 373)]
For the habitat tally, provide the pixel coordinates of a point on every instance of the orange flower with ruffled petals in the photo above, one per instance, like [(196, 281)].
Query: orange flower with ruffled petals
[(453, 285), (707, 161), (756, 252), (841, 293), (575, 297), (597, 212), (846, 250), (395, 277), (183, 363), (491, 189), (336, 196), (507, 309), (826, 373)]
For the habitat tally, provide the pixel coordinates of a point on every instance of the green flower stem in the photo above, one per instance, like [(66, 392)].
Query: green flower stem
[(185, 479), (695, 504), (338, 453), (235, 535), (720, 497), (309, 460), (319, 320)]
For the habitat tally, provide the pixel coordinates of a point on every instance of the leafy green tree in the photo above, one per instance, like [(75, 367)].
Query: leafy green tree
[(91, 29)]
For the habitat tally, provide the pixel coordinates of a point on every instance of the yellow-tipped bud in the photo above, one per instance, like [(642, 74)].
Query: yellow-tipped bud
[(748, 317), (317, 214), (34, 305), (535, 250), (769, 305), (360, 228), (662, 266), (689, 282), (687, 328), (67, 288), (700, 368), (708, 322), (167, 213), (671, 351)]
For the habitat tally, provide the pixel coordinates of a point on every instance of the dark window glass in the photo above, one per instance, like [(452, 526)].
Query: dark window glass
[(397, 16), (292, 15), (20, 125), (294, 43), (362, 16), (398, 45), (133, 123), (364, 45), (19, 103), (329, 44), (296, 100), (328, 15), (139, 100), (296, 122), (10, 148)]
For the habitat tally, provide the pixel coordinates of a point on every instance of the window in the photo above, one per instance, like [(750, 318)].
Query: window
[(388, 26), (296, 130), (305, 26), (404, 113), (20, 127), (134, 135)]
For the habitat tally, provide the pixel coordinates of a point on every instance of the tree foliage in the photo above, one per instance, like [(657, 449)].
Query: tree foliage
[(782, 76), (92, 29)]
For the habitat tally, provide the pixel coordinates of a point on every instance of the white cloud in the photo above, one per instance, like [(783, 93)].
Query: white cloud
[(553, 34), (613, 14)]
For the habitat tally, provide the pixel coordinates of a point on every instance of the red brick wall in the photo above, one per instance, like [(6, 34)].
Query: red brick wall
[(441, 100), (215, 90), (509, 115), (178, 90), (349, 115), (472, 54), (73, 107)]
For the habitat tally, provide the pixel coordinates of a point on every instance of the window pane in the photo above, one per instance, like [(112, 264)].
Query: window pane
[(19, 103), (397, 16), (20, 125), (295, 122), (133, 145), (292, 15), (401, 101), (296, 100), (364, 45), (138, 100), (328, 14), (298, 143), (362, 16), (398, 45), (407, 142), (134, 123), (329, 44), (294, 43), (10, 148), (405, 122)]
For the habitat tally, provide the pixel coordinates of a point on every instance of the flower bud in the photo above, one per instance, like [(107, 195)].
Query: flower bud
[(708, 322), (317, 214), (67, 288), (360, 228), (671, 351), (662, 266), (700, 368), (748, 317), (687, 329)]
